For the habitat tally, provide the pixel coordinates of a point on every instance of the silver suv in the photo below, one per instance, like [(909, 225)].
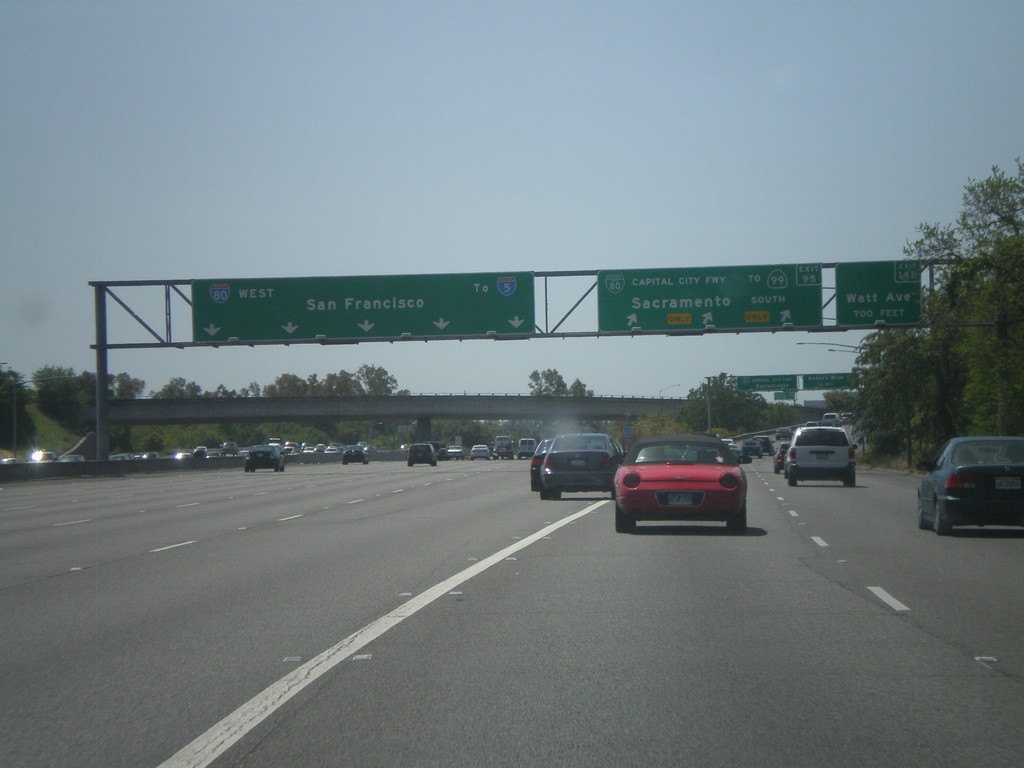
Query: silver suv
[(822, 453)]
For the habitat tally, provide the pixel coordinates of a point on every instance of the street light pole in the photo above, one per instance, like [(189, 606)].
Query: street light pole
[(708, 393)]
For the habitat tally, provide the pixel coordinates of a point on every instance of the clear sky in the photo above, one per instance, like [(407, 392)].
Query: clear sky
[(204, 140)]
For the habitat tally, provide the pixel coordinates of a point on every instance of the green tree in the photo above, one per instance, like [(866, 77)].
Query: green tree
[(16, 423), (178, 389), (62, 394), (732, 411), (548, 384), (376, 381)]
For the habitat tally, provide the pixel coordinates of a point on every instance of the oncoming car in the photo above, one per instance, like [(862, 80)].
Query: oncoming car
[(972, 481), (264, 457), (681, 478)]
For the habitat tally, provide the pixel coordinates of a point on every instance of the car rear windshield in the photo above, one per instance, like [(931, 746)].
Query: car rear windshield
[(822, 437), (683, 453), (581, 443)]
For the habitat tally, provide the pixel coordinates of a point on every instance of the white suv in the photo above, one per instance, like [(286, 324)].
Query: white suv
[(822, 453)]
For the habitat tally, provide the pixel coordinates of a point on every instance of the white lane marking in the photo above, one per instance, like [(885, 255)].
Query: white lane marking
[(72, 522), (792, 513), (889, 600), (283, 519), (192, 504), (174, 546), (218, 739), (819, 541), (15, 509), (355, 501)]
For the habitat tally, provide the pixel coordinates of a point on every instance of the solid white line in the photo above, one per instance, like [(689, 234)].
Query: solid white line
[(889, 600), (173, 546), (819, 541), (283, 519), (216, 741), (73, 522)]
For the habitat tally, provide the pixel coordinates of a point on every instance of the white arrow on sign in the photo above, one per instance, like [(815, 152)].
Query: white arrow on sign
[(290, 328), (516, 321), (787, 316), (630, 321), (707, 319), (211, 329), (366, 325), (441, 324)]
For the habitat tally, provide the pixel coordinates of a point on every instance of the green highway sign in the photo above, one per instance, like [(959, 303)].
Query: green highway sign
[(876, 292), (355, 308), (783, 381), (740, 298), (785, 396), (826, 381)]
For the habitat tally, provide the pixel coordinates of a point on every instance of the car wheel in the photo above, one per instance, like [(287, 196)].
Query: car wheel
[(366, 461), (344, 462), (433, 463), (791, 477), (410, 463), (776, 470), (941, 521), (738, 523), (623, 522), (851, 479), (923, 524)]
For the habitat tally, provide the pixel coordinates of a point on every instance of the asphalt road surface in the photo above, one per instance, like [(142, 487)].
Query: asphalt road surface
[(383, 615)]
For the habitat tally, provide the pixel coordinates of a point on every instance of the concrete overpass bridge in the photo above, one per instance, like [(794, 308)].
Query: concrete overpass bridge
[(419, 408)]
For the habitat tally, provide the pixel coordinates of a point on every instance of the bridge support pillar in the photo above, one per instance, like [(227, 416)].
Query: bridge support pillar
[(423, 428)]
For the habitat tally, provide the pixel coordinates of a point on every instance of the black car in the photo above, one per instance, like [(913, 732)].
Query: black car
[(422, 453), (354, 453), (579, 462), (536, 461), (972, 481), (264, 457)]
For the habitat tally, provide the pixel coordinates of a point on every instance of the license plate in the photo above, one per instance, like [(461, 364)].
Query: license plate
[(577, 462), (1007, 483), (679, 499)]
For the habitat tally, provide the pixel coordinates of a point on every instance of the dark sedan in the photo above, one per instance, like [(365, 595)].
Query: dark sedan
[(536, 461), (354, 454), (972, 481), (579, 462), (264, 457)]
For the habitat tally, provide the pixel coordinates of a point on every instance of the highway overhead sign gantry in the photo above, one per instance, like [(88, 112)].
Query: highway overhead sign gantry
[(363, 307), (778, 381), (826, 381), (734, 298), (876, 292)]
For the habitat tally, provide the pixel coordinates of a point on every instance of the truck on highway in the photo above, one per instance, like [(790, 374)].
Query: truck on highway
[(503, 447)]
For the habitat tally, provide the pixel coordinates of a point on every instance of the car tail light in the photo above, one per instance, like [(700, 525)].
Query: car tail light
[(960, 480), (853, 452), (631, 480), (729, 480), (792, 453), (536, 461)]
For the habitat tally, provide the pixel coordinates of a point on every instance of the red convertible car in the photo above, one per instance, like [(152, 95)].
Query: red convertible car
[(681, 477)]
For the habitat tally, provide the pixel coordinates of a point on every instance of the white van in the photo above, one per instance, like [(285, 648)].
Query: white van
[(830, 420), (527, 447)]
